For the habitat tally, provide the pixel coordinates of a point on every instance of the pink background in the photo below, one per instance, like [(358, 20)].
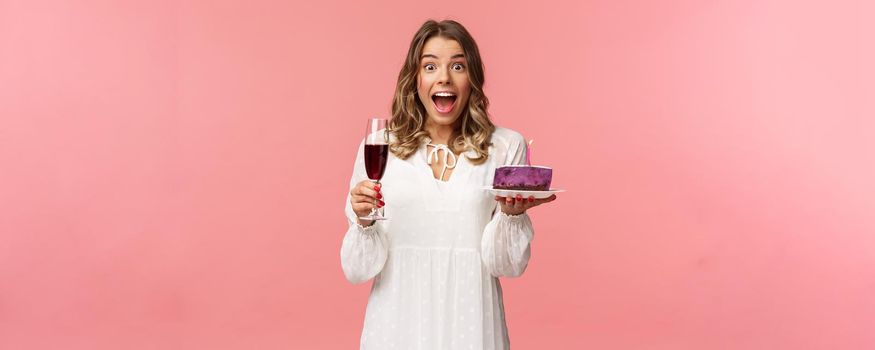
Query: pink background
[(172, 174)]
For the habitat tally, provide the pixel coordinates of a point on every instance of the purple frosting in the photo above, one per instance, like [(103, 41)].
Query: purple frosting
[(523, 178)]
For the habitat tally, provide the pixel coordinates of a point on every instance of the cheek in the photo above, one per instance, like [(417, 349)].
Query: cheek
[(464, 84), (466, 88), (421, 89), (423, 83)]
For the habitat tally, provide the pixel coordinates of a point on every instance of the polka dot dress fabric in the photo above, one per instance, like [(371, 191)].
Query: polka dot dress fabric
[(435, 262)]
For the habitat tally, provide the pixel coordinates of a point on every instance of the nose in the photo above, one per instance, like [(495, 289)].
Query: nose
[(444, 77)]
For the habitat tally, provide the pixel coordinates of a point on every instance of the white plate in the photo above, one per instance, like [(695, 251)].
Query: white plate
[(525, 194)]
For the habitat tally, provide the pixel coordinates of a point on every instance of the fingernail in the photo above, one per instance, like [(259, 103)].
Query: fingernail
[(531, 199), (382, 203), (379, 196), (377, 187)]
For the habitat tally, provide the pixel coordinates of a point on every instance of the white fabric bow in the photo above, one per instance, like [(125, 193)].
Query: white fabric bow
[(433, 157)]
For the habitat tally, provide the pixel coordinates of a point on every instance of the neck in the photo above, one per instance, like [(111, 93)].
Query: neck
[(439, 133)]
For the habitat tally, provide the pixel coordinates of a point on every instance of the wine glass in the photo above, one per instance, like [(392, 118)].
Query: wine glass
[(376, 154)]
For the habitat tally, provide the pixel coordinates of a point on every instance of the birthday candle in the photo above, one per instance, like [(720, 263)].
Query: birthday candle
[(529, 153)]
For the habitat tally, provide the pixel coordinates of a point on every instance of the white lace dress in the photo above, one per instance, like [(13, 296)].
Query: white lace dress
[(437, 260)]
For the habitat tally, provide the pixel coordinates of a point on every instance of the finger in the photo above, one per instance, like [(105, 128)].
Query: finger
[(363, 199), (360, 208), (544, 200), (371, 200), (366, 191), (506, 208), (502, 203), (519, 204), (365, 184), (528, 203)]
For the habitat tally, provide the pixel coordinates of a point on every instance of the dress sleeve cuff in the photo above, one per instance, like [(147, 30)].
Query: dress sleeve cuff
[(513, 218), (368, 230)]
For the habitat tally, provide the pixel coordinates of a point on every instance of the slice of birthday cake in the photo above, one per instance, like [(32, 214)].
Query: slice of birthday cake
[(523, 178)]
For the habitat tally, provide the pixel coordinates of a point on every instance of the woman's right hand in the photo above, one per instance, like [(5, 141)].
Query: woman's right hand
[(364, 197)]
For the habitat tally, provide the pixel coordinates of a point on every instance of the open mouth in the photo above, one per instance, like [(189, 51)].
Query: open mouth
[(444, 101)]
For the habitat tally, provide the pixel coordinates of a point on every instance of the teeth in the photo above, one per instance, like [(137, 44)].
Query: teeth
[(445, 94)]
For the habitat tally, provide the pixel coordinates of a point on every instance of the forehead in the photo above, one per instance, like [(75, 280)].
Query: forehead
[(442, 47)]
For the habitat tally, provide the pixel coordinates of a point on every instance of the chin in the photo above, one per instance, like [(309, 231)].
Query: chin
[(442, 120)]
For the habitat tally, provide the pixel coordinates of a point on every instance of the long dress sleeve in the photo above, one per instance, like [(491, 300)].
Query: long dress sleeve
[(364, 249), (506, 244)]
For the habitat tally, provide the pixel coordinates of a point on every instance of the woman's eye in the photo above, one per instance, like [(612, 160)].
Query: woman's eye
[(458, 66), (429, 66)]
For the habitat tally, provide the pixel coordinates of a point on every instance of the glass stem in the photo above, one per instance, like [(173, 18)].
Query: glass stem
[(376, 201), (375, 210)]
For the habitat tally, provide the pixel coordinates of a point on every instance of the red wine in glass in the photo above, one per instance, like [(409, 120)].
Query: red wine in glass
[(375, 160), (376, 155)]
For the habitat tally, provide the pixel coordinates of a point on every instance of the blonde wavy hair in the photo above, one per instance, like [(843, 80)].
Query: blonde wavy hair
[(409, 114)]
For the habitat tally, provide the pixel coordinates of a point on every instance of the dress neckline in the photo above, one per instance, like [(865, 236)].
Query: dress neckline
[(450, 159)]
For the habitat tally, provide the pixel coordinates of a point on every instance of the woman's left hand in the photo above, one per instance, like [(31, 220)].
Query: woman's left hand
[(519, 205)]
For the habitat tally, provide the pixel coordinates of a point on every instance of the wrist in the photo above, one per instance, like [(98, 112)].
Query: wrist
[(513, 213)]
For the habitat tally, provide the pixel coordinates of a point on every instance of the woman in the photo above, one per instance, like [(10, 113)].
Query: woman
[(437, 259)]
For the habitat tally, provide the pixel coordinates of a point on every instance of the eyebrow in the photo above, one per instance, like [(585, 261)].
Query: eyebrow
[(428, 55)]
